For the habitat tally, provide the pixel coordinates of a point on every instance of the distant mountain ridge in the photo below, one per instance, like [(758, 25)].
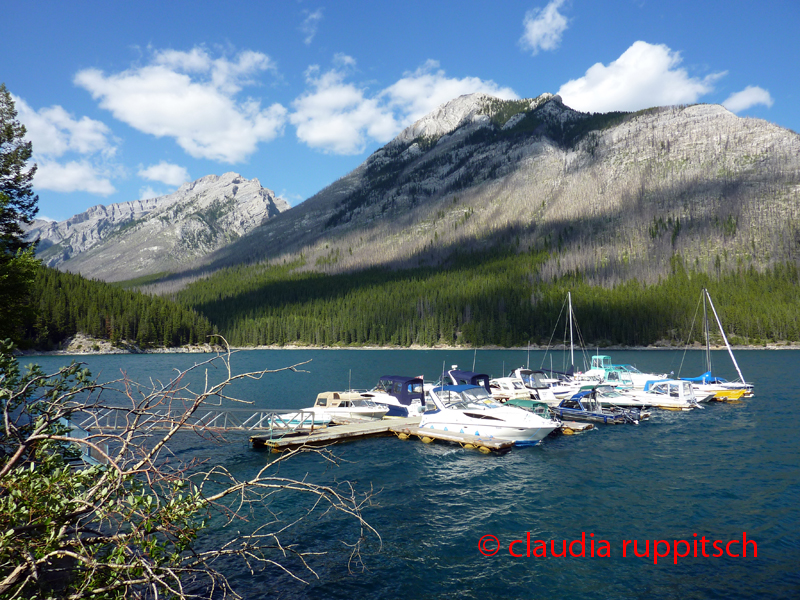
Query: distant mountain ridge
[(612, 196), (615, 195), (129, 239)]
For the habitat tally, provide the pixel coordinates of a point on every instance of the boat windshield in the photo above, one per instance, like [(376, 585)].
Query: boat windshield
[(477, 394), (608, 391), (363, 402), (632, 369), (534, 380)]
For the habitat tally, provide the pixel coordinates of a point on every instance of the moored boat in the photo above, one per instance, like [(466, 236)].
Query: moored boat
[(469, 409), (347, 404), (707, 386), (584, 406), (669, 394), (403, 396), (504, 389)]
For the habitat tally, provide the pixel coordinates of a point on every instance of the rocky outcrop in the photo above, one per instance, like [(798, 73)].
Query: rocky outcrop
[(132, 239)]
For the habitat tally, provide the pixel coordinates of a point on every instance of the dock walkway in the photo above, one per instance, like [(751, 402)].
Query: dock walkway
[(327, 435)]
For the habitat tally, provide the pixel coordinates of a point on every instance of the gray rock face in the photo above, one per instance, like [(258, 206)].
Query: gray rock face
[(613, 196), (131, 239)]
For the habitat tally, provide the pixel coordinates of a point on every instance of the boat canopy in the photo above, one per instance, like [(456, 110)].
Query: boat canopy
[(533, 379), (405, 389), (535, 406), (601, 362), (459, 396), (469, 378), (706, 378)]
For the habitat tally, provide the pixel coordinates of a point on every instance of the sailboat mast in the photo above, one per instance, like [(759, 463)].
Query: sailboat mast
[(705, 324), (571, 350), (722, 331)]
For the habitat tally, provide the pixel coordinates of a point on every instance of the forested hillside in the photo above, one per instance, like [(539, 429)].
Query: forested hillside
[(499, 299), (613, 196), (66, 304)]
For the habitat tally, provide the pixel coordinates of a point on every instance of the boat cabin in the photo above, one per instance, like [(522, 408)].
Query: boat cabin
[(405, 389), (672, 388), (601, 362), (536, 380), (469, 378), (339, 400), (459, 396)]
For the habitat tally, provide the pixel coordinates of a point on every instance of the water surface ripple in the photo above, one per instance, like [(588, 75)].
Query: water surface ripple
[(716, 473)]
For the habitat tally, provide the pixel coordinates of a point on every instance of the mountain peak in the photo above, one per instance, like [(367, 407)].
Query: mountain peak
[(469, 108), (128, 239)]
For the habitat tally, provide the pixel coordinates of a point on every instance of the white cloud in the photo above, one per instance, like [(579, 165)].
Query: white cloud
[(166, 173), (147, 192), (646, 75), (311, 25), (56, 134), (747, 98), (427, 88), (191, 97), (73, 176), (339, 117), (53, 131), (544, 27)]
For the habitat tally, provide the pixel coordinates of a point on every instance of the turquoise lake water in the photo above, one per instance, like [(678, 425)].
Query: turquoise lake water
[(719, 473)]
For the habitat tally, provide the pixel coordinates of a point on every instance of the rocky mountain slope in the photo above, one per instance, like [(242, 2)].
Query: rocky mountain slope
[(613, 196), (131, 239)]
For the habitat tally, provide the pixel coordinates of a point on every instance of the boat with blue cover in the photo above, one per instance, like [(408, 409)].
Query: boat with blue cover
[(403, 396)]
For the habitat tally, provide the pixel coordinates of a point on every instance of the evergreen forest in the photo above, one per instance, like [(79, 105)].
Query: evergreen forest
[(65, 304), (481, 300)]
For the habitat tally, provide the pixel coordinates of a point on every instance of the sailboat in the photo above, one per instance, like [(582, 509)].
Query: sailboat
[(564, 384), (707, 387)]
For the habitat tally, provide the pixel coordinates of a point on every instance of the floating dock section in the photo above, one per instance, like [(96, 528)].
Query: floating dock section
[(466, 440), (331, 434)]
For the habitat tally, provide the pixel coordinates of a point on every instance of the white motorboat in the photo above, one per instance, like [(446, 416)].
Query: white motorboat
[(469, 409), (669, 394), (620, 376), (539, 385), (610, 395), (504, 389), (347, 404)]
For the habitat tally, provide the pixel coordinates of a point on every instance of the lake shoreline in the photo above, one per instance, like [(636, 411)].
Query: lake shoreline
[(83, 346)]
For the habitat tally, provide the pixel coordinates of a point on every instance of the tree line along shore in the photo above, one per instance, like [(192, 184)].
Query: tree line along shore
[(497, 301)]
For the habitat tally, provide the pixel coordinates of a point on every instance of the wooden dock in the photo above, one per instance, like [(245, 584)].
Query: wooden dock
[(278, 441), (573, 427), (328, 435)]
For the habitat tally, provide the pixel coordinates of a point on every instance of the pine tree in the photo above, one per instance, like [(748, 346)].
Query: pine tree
[(17, 200), (17, 205)]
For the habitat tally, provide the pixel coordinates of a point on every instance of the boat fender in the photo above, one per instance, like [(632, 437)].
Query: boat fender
[(402, 436), (567, 431), (484, 449), (427, 440)]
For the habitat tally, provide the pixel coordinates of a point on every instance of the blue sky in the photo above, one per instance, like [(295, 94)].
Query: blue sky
[(127, 100)]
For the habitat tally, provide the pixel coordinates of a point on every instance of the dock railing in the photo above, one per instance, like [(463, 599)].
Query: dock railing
[(278, 422)]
